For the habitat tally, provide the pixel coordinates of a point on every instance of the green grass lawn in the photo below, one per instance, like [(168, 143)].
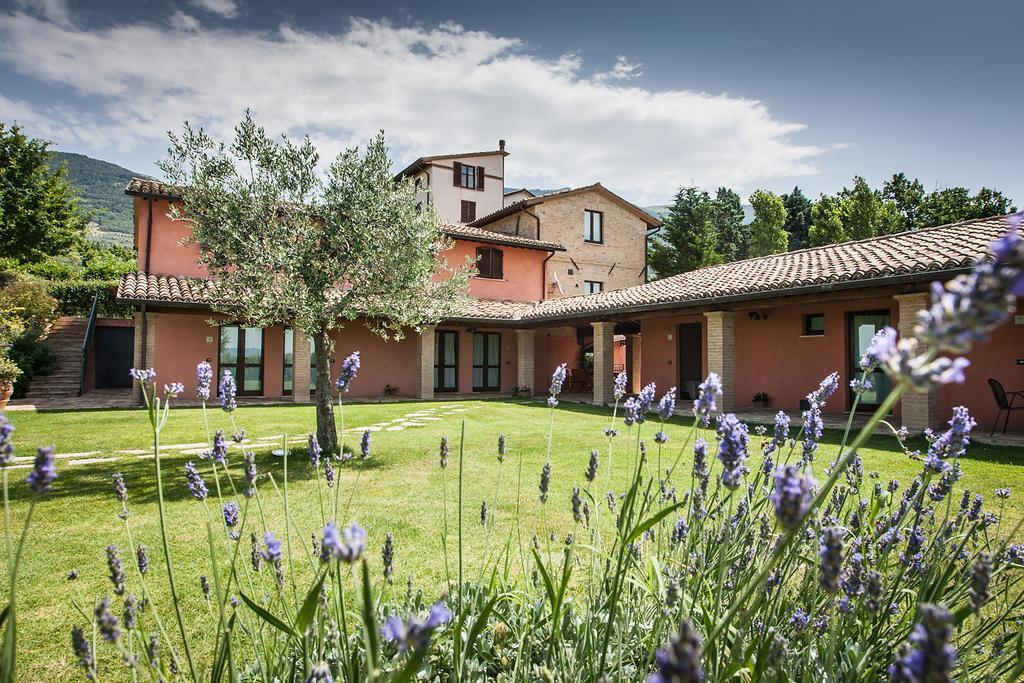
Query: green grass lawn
[(399, 489)]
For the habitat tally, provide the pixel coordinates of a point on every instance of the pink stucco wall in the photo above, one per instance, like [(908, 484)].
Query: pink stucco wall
[(551, 348), (383, 362), (168, 255), (523, 271), (659, 351)]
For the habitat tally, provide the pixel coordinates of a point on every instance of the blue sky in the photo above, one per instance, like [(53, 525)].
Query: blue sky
[(641, 96)]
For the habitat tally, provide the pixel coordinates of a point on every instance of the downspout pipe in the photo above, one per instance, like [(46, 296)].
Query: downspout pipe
[(149, 234)]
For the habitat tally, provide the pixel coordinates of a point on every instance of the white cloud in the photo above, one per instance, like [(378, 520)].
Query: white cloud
[(225, 8), (184, 22), (433, 90), (54, 10), (623, 70)]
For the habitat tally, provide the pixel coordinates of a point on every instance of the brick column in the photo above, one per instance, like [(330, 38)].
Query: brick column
[(301, 369), (142, 360), (525, 369), (604, 355), (425, 363), (722, 354), (917, 409)]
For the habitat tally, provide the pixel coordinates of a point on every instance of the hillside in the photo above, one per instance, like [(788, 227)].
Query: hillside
[(101, 186)]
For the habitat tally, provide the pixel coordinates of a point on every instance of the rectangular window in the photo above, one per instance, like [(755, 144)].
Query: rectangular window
[(468, 211), (489, 263), (592, 286), (289, 362), (446, 355), (241, 352), (814, 325), (593, 226)]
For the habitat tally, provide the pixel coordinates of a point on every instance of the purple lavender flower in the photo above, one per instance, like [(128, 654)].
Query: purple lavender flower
[(120, 490), (645, 401), (130, 611), (83, 651), (557, 380), (880, 349), (328, 472), (700, 457), (106, 622), (792, 495), (346, 545), (443, 452), (732, 449), (780, 433), (6, 442), (800, 620), (143, 376), (44, 471), (483, 513), (204, 378), (825, 390), (981, 575), (195, 483), (249, 474), (619, 386), (667, 404), (174, 389), (116, 569), (501, 448), (228, 391), (707, 398), (861, 386), (577, 505), (347, 374), (387, 555), (680, 660), (927, 656), (830, 554), (545, 481), (364, 444), (631, 411), (204, 584), (314, 451), (142, 559), (414, 632), (952, 443), (1002, 494), (320, 673), (230, 514), (271, 551), (591, 472), (220, 447)]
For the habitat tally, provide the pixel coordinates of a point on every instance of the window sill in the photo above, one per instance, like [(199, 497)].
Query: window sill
[(599, 244), (811, 336), (489, 279)]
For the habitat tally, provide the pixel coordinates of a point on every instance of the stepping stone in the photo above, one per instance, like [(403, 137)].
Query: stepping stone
[(276, 437), (195, 451), (394, 429), (412, 424), (133, 451), (374, 428), (90, 461), (86, 454), (431, 419), (182, 446)]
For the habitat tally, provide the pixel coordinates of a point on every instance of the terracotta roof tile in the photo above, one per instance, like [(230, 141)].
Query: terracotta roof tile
[(146, 187), (466, 232), (921, 254)]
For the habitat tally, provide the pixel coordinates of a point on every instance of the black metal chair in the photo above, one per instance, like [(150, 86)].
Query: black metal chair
[(1004, 401)]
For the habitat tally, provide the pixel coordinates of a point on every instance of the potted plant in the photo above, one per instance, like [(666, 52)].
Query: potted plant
[(8, 373), (762, 399)]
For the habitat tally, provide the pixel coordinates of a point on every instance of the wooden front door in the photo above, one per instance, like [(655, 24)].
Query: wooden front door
[(114, 350), (486, 361)]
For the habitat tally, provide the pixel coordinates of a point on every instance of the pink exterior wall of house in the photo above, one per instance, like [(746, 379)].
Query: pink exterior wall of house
[(996, 358), (659, 355), (168, 255), (551, 348), (383, 362), (773, 357), (523, 271)]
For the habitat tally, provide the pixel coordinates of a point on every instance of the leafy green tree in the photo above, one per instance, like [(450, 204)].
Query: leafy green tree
[(954, 204), (39, 213), (826, 222), (687, 240), (290, 244), (907, 196), (727, 217), (798, 218), (767, 236)]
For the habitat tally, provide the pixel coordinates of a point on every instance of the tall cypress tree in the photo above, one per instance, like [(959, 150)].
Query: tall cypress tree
[(687, 239), (727, 217), (798, 218)]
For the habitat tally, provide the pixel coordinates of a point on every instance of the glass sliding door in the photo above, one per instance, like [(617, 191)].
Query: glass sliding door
[(486, 361), (289, 362), (446, 360), (241, 352), (862, 327)]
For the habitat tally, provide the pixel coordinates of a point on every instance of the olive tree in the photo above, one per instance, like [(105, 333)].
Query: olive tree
[(288, 242)]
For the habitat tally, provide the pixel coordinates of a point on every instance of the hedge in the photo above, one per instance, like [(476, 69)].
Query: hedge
[(75, 298)]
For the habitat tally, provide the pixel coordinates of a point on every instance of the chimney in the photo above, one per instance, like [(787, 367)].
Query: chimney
[(501, 145)]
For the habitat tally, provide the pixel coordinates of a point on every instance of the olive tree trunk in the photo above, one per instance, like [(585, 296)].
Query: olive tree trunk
[(326, 432)]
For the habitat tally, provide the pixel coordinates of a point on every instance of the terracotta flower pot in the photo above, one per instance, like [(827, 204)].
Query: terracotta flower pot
[(6, 389)]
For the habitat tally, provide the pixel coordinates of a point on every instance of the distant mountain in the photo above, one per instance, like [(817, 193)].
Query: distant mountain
[(101, 185)]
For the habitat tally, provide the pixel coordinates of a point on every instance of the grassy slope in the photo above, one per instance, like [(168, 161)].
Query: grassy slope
[(399, 490)]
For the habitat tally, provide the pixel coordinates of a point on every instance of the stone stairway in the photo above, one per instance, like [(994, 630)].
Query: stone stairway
[(65, 340)]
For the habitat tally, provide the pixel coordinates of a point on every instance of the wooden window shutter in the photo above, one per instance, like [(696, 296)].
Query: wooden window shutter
[(482, 266), (456, 174), (479, 177), (497, 265)]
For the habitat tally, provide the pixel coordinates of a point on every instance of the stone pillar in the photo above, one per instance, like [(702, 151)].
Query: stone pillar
[(604, 356), (425, 363), (722, 354), (144, 350), (525, 369), (301, 369), (917, 409)]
